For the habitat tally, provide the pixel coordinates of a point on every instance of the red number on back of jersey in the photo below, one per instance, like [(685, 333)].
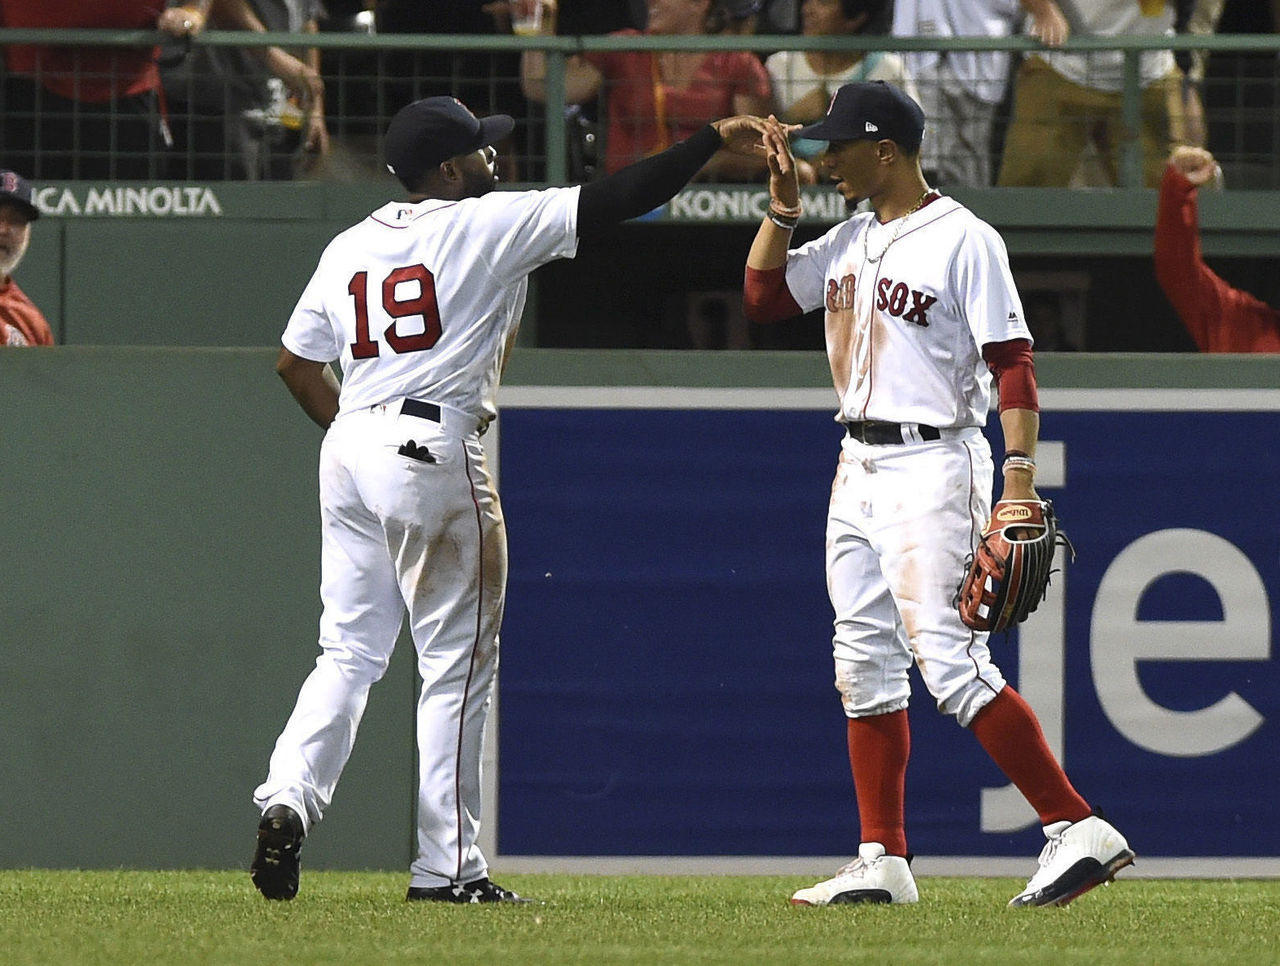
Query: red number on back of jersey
[(422, 305)]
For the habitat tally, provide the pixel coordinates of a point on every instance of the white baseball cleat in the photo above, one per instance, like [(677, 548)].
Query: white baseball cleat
[(1077, 857), (871, 877)]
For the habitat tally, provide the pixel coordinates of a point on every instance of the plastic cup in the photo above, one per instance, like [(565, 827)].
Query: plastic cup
[(526, 17)]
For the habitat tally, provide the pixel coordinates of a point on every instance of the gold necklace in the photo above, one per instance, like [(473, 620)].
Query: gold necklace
[(866, 254)]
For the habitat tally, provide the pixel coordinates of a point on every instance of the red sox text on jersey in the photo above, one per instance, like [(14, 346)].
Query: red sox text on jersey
[(891, 297)]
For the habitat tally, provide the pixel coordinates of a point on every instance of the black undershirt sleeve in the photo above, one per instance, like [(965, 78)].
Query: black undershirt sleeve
[(642, 186)]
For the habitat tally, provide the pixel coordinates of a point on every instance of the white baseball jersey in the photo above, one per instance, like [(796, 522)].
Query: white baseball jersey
[(905, 332), (424, 300)]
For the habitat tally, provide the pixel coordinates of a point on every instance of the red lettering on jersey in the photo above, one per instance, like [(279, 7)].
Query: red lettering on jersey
[(891, 297), (882, 293), (898, 299), (840, 294), (919, 306), (424, 305), (363, 347)]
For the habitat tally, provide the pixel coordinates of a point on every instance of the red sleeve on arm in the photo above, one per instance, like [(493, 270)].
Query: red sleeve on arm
[(1218, 317), (1014, 369), (765, 296), (1190, 286)]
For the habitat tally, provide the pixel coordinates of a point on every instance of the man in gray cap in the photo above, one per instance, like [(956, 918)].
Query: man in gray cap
[(21, 323), (420, 303)]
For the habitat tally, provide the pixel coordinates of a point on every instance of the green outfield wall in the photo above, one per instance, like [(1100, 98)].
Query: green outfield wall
[(158, 605), (178, 264)]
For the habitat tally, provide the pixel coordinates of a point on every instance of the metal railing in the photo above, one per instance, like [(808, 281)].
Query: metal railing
[(368, 77)]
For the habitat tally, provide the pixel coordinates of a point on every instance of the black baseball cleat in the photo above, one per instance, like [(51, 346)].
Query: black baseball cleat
[(481, 890), (275, 861)]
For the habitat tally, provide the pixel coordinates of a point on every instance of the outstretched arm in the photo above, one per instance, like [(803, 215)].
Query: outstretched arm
[(1193, 289), (641, 187)]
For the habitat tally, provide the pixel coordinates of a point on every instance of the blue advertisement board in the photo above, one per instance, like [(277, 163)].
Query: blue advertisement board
[(667, 686)]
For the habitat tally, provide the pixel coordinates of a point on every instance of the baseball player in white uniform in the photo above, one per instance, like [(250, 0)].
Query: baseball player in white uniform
[(419, 303), (921, 313)]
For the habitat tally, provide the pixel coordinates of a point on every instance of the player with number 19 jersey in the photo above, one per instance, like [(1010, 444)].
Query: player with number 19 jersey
[(420, 303), (444, 278)]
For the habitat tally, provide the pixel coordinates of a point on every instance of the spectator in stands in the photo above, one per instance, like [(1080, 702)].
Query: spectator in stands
[(21, 323), (655, 98), (1219, 317), (961, 90), (252, 113), (803, 82), (88, 112), (1066, 101)]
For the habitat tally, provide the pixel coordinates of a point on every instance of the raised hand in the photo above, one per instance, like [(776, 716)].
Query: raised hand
[(784, 182), (742, 133), (1195, 164)]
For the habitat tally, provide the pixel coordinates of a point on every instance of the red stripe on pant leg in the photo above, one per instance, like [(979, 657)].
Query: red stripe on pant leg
[(879, 747), (471, 668)]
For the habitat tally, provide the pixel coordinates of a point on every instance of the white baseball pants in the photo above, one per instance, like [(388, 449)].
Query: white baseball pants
[(398, 534), (901, 521)]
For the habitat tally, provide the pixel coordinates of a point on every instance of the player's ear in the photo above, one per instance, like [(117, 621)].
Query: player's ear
[(449, 170), (886, 150)]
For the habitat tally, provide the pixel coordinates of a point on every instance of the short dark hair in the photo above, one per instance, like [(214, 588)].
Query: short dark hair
[(874, 9)]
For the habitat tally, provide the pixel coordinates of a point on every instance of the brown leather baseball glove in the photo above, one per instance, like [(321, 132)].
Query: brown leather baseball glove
[(1007, 575)]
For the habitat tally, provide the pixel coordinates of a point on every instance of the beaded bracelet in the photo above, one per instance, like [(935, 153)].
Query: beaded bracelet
[(784, 211)]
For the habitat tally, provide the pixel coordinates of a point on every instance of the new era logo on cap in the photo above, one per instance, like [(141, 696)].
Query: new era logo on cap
[(870, 111)]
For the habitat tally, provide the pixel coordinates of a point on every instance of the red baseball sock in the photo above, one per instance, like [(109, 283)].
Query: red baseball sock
[(878, 750), (1010, 732)]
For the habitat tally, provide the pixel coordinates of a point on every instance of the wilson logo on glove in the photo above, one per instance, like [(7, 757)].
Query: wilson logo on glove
[(1007, 575), (1009, 512)]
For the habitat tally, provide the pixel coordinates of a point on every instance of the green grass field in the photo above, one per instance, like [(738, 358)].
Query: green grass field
[(134, 918)]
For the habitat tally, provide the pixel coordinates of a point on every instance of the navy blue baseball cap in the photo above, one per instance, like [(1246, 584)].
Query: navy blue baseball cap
[(870, 111), (433, 130), (16, 190)]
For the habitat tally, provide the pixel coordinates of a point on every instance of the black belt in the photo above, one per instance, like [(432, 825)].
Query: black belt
[(879, 433), (425, 410)]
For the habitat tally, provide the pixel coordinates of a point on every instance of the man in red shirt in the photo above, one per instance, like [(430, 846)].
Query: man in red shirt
[(21, 323), (88, 112), (1219, 317)]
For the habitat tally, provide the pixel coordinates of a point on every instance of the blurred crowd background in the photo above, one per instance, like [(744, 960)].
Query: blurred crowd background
[(183, 100)]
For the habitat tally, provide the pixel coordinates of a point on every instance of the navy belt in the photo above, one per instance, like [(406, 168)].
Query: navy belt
[(879, 433), (424, 410)]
